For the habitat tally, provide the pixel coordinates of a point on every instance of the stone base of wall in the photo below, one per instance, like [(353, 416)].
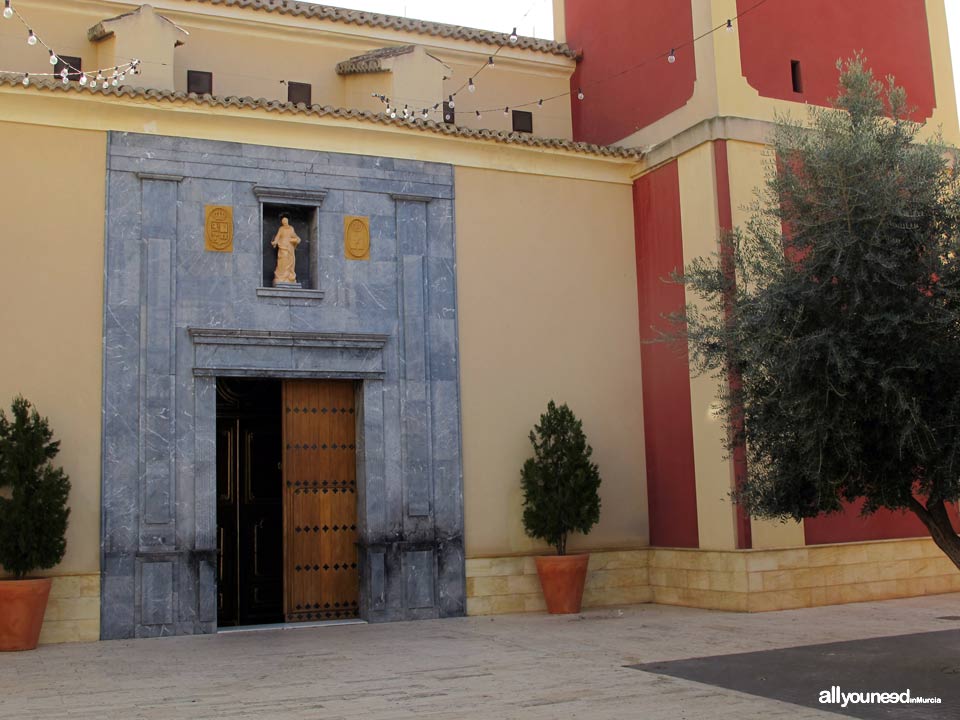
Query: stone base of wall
[(510, 584), (737, 580), (73, 611)]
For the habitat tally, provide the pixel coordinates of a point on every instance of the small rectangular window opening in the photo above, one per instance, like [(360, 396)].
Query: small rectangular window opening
[(298, 92), (199, 82), (69, 63), (522, 121), (796, 76)]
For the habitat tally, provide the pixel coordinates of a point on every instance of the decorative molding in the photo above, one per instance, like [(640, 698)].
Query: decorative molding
[(298, 196), (223, 336), (412, 198), (159, 176), (290, 293)]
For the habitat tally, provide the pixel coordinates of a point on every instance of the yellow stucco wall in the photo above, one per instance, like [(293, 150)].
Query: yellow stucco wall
[(746, 163), (250, 53), (701, 237), (52, 304), (547, 297)]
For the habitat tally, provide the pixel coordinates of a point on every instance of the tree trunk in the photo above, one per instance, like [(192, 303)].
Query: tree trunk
[(937, 521)]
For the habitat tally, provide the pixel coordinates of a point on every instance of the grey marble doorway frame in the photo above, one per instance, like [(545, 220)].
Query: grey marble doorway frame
[(284, 355)]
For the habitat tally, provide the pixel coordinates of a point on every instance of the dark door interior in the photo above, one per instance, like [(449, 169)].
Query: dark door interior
[(249, 502)]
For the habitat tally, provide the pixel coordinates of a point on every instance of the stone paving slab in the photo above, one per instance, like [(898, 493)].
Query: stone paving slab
[(919, 665), (515, 666)]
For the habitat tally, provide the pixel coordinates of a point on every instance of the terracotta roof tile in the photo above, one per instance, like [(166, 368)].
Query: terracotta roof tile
[(370, 62), (393, 22), (611, 151)]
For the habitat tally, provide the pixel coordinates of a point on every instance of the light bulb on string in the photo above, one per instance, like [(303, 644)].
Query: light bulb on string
[(579, 93), (450, 101), (53, 58), (672, 57), (470, 86), (393, 115), (65, 80), (478, 114), (506, 111), (83, 79), (513, 37), (26, 79), (540, 102), (7, 10), (729, 25), (426, 114), (490, 61), (31, 38)]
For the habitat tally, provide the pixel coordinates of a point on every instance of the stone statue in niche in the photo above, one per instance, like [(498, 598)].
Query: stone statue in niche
[(285, 242)]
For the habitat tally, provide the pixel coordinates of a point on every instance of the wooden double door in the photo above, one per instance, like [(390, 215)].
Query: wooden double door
[(286, 501)]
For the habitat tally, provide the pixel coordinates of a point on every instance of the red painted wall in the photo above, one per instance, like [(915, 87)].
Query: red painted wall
[(892, 34), (615, 35), (849, 526), (668, 427)]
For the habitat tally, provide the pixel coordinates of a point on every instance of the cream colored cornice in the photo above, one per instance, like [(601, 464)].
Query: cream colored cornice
[(326, 129)]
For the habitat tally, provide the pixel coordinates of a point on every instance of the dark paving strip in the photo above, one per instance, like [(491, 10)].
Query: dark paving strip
[(928, 664)]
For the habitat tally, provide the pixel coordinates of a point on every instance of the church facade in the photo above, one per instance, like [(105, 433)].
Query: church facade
[(301, 285)]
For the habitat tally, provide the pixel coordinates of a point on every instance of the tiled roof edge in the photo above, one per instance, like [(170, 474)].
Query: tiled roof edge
[(609, 151), (394, 22)]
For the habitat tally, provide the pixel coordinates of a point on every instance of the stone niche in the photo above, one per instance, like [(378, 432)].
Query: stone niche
[(177, 317), (303, 209)]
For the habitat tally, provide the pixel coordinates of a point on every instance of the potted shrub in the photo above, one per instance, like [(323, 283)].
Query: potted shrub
[(33, 522), (560, 497)]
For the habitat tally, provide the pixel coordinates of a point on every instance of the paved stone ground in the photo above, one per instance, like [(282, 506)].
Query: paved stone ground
[(516, 666)]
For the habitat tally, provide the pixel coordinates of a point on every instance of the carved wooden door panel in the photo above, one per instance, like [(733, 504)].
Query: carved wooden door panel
[(320, 500)]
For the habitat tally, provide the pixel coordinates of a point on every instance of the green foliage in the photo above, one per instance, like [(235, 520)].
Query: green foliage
[(559, 482), (843, 322), (33, 519)]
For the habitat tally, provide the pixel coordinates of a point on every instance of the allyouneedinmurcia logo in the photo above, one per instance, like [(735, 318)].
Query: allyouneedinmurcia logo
[(836, 696)]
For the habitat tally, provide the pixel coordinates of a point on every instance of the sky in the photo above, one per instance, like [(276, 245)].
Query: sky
[(535, 17)]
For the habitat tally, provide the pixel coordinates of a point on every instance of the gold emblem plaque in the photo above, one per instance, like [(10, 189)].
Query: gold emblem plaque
[(218, 228), (356, 237)]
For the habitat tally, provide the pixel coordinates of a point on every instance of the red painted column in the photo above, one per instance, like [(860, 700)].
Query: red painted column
[(668, 425)]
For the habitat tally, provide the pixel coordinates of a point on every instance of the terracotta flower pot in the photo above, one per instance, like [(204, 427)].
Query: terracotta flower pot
[(562, 578), (22, 605)]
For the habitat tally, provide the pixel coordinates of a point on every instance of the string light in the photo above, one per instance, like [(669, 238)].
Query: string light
[(513, 37), (68, 72), (450, 102), (580, 95)]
